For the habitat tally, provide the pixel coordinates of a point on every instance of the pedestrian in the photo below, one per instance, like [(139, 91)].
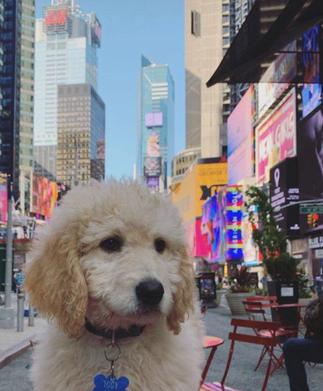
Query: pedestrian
[(297, 351)]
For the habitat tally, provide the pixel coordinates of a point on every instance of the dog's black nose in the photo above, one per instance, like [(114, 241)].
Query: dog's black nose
[(150, 292)]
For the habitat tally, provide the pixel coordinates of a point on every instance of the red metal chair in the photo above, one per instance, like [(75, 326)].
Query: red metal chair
[(256, 310), (269, 342)]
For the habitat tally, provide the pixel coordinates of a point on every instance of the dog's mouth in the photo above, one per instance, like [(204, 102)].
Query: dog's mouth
[(116, 333)]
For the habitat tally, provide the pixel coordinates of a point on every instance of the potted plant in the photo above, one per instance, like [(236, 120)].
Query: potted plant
[(239, 289), (272, 243)]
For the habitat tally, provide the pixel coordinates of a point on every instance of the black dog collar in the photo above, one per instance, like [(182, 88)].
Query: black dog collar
[(133, 331)]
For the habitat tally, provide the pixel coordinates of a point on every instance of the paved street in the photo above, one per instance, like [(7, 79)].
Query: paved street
[(242, 376)]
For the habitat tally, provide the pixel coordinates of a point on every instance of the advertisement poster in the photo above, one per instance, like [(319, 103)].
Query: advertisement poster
[(241, 139), (284, 192), (310, 151), (153, 183), (44, 196), (3, 202), (213, 226), (153, 146), (276, 137), (233, 219), (154, 119), (312, 90), (152, 166), (277, 78)]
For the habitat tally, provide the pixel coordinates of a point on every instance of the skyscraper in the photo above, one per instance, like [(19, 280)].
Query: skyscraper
[(66, 53), (17, 94), (203, 51), (81, 133), (156, 125)]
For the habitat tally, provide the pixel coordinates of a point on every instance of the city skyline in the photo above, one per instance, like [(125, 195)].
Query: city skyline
[(130, 30)]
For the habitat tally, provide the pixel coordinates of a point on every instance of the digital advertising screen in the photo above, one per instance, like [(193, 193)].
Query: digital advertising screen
[(310, 169), (213, 226), (284, 192), (241, 139), (44, 196), (152, 166), (3, 202), (234, 215), (312, 89), (153, 145), (310, 152), (276, 137), (153, 183), (154, 119), (56, 17)]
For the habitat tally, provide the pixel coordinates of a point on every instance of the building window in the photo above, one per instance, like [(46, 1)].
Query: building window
[(195, 23)]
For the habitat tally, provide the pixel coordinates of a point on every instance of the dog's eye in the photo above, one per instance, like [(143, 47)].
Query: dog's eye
[(112, 244), (160, 245)]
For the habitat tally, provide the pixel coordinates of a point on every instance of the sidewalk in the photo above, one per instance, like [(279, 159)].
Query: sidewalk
[(13, 343)]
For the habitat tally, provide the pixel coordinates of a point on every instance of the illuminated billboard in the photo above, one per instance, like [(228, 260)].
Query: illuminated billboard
[(312, 89), (152, 183), (213, 227), (284, 192), (310, 153), (3, 202), (56, 17), (154, 119), (277, 78), (44, 196), (153, 145), (152, 166), (276, 137), (233, 223), (241, 139)]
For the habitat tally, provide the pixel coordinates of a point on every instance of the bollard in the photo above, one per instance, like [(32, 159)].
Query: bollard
[(20, 312), (31, 317)]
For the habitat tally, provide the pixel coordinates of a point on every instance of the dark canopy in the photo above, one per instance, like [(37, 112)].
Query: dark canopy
[(269, 27)]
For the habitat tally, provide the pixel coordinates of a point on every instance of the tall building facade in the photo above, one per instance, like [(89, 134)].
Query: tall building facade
[(81, 134), (203, 52), (17, 94), (66, 53), (156, 125)]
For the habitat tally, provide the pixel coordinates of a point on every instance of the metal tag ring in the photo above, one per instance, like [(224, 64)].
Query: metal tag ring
[(112, 352)]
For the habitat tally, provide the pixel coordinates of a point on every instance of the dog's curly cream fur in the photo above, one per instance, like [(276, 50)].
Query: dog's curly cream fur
[(71, 278)]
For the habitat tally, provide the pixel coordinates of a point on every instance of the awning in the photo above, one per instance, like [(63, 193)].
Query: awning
[(258, 41)]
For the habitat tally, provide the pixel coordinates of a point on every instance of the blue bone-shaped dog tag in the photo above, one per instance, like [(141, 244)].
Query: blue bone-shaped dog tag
[(110, 383)]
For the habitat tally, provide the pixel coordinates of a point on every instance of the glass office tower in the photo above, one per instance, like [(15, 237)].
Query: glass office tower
[(66, 53), (156, 125), (17, 19)]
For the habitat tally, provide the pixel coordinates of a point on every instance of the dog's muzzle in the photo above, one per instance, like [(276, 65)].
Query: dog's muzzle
[(149, 292)]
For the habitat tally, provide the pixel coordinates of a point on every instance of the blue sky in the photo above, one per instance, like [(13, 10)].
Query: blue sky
[(154, 28)]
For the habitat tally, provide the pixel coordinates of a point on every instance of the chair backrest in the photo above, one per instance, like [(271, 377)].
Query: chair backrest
[(263, 299), (254, 310), (269, 340)]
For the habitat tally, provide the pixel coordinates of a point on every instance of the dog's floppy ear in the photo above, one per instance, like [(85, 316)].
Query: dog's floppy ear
[(183, 298), (55, 280)]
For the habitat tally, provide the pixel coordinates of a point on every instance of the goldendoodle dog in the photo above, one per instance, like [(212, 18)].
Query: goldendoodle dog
[(111, 271)]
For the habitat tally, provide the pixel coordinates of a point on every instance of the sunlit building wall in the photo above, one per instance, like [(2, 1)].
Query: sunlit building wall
[(203, 52), (81, 135), (66, 53)]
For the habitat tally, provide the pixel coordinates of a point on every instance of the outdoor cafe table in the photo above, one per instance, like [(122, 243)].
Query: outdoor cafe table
[(298, 306)]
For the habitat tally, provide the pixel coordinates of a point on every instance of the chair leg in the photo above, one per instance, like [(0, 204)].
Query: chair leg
[(268, 371), (262, 355), (228, 364), (207, 365)]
